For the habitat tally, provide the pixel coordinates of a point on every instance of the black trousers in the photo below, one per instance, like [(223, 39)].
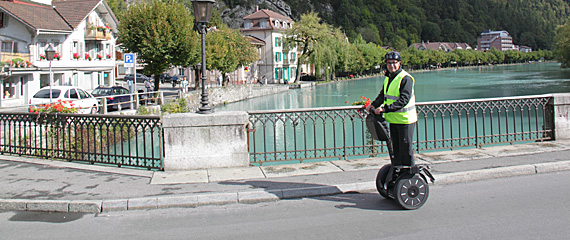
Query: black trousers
[(402, 136)]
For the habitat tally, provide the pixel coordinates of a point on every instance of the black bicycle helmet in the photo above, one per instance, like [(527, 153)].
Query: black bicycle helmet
[(393, 55)]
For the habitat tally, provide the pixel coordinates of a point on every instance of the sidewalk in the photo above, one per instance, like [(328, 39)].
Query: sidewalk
[(43, 185)]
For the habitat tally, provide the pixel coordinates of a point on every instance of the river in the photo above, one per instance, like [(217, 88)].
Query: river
[(437, 85)]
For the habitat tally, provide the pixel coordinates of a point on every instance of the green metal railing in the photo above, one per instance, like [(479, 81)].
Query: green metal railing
[(135, 141), (340, 133)]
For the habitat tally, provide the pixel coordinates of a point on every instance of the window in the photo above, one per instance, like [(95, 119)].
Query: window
[(75, 54), (82, 94), (71, 93), (247, 24), (276, 41), (277, 73), (277, 56), (1, 19), (7, 46), (9, 89), (263, 23), (292, 56), (44, 93)]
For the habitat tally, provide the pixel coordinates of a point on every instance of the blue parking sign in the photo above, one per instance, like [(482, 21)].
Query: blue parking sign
[(129, 59)]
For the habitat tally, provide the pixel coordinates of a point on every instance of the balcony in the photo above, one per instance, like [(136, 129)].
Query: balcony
[(97, 34), (16, 60)]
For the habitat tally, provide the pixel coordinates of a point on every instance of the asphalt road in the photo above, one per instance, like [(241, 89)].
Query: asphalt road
[(525, 207)]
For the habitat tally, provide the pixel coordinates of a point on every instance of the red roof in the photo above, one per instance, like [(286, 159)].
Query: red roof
[(64, 15), (74, 11), (35, 16), (266, 13)]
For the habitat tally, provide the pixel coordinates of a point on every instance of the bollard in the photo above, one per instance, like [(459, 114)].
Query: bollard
[(160, 98), (103, 109), (137, 101)]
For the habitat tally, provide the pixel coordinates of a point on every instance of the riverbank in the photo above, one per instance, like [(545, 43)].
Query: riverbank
[(336, 80)]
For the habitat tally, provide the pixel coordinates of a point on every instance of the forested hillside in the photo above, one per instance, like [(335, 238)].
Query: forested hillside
[(399, 23)]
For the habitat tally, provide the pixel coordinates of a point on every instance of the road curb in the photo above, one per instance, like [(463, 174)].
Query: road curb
[(252, 197)]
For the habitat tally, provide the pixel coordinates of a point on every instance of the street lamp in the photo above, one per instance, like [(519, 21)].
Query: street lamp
[(202, 14), (50, 54)]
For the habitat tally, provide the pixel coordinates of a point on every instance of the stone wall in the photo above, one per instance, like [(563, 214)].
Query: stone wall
[(218, 96), (200, 141), (562, 116)]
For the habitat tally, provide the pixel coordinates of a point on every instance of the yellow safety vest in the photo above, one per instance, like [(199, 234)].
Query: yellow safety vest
[(407, 114)]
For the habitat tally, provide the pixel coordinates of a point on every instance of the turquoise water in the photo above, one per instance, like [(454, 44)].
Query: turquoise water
[(452, 84)]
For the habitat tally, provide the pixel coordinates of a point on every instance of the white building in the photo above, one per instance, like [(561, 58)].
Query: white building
[(267, 26), (500, 40), (83, 33)]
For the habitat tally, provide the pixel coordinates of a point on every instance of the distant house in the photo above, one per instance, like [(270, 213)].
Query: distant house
[(525, 49), (83, 33), (265, 29), (500, 40), (443, 46)]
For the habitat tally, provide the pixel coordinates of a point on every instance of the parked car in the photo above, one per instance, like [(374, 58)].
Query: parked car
[(117, 97), (140, 77), (81, 99), (165, 77)]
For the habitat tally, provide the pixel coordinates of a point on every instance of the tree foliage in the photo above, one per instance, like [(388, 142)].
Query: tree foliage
[(161, 33), (399, 23), (563, 44), (306, 34), (228, 49)]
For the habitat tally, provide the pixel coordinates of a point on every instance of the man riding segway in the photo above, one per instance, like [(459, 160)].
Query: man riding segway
[(396, 101)]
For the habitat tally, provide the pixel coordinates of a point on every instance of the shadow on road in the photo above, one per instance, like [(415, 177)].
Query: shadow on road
[(366, 201)]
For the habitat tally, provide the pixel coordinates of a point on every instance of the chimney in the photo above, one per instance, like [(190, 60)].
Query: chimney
[(256, 8)]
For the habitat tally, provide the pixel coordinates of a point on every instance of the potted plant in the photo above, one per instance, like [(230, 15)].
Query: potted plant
[(57, 56), (99, 57), (42, 57), (87, 56), (109, 56), (76, 56)]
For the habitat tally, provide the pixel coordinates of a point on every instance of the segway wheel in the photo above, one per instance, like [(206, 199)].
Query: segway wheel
[(381, 179), (411, 192)]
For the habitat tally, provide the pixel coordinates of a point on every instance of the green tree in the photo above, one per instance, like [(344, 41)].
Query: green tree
[(228, 49), (117, 6), (373, 55), (498, 56), (562, 39), (306, 34), (161, 33)]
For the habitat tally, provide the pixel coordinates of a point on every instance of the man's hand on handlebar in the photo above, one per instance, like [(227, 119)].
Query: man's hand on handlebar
[(372, 109)]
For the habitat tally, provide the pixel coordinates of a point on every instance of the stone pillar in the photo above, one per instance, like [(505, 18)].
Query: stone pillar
[(562, 116), (199, 141)]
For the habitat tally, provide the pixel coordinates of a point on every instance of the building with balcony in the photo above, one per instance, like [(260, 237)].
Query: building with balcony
[(265, 28), (83, 33), (500, 40)]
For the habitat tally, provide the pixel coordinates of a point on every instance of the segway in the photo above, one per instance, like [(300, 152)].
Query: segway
[(407, 185)]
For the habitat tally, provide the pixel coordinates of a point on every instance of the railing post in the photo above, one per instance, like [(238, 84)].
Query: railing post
[(160, 98), (549, 119), (103, 109), (137, 100)]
